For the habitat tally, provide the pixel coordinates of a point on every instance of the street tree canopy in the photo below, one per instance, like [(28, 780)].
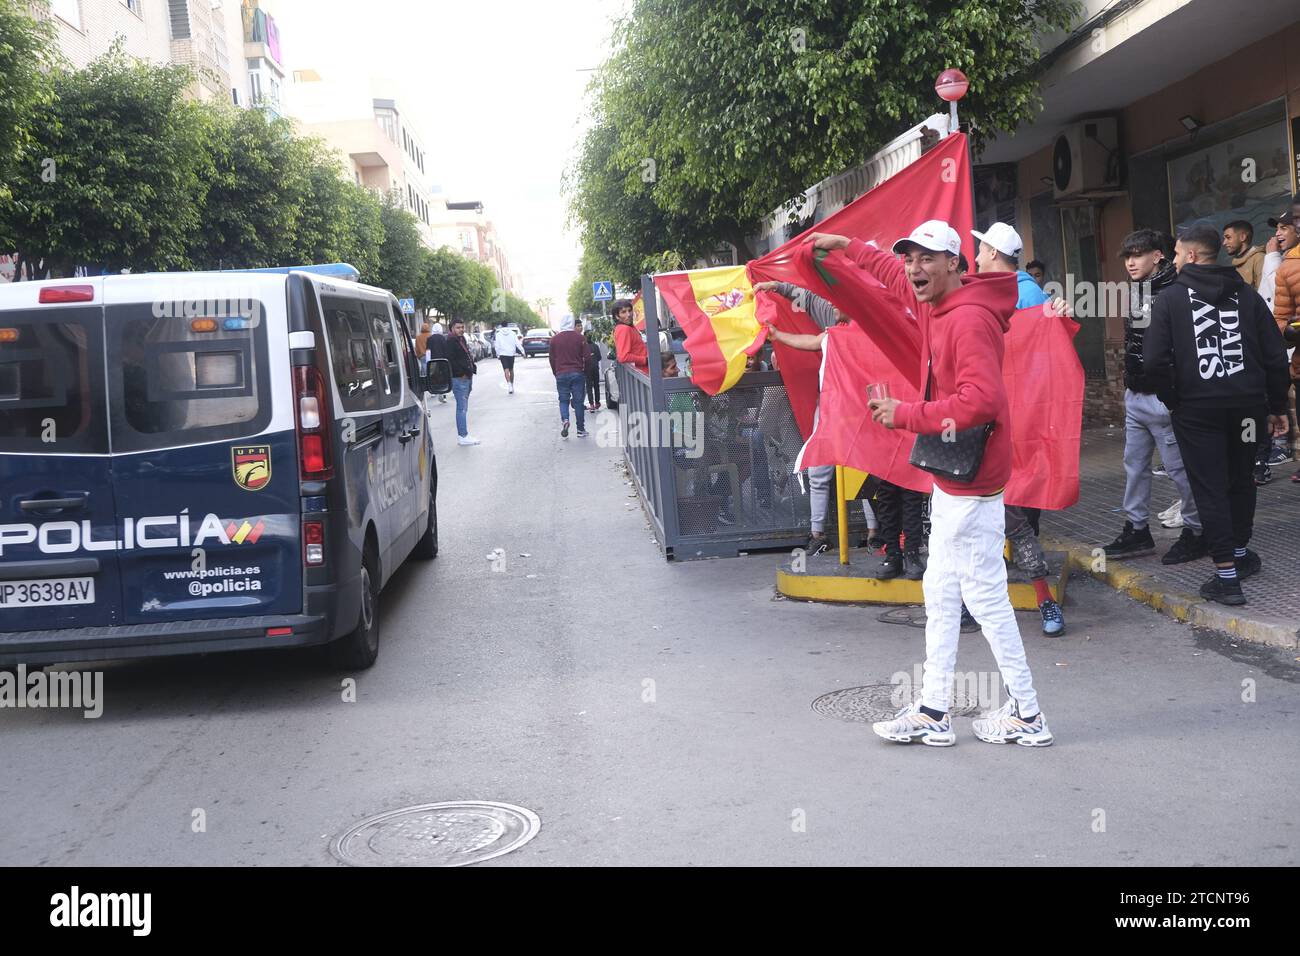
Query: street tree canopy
[(709, 116)]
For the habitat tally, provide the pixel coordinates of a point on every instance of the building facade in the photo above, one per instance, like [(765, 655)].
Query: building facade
[(382, 149), (464, 227), (233, 46), (1156, 114)]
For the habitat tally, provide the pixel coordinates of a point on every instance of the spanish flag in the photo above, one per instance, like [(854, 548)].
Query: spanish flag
[(716, 308)]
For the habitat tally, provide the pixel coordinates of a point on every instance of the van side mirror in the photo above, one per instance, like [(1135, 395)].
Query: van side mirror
[(437, 377)]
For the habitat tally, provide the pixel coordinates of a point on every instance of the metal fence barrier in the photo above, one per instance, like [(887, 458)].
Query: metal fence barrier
[(715, 473)]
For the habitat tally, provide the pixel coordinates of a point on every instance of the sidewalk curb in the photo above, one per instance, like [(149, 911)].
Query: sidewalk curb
[(1187, 608)]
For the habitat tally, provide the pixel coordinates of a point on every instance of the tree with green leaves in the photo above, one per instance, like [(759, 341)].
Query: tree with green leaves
[(26, 54), (722, 112), (246, 224), (116, 172), (401, 256), (341, 221), (455, 286)]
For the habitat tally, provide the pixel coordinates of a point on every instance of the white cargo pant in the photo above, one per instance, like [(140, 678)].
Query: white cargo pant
[(966, 540)]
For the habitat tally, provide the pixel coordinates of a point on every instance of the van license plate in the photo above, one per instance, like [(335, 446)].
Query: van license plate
[(57, 591)]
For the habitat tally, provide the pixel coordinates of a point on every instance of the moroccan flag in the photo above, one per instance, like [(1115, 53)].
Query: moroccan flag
[(845, 433), (716, 308), (936, 186), (1045, 391), (1041, 370)]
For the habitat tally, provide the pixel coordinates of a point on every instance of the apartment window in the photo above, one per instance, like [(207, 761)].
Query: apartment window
[(67, 10), (255, 88), (179, 14), (134, 6)]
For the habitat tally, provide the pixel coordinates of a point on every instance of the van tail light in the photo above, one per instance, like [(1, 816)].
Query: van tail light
[(313, 543), (312, 413), (53, 294)]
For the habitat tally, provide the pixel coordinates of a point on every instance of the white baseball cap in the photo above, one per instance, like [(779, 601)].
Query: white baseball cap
[(933, 234), (1002, 238)]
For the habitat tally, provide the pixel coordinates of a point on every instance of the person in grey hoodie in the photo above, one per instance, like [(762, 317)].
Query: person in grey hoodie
[(1217, 360)]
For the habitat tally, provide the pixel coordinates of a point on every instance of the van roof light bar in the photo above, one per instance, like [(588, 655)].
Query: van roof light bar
[(336, 270)]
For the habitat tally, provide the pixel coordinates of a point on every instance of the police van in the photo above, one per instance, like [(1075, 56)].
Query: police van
[(200, 462)]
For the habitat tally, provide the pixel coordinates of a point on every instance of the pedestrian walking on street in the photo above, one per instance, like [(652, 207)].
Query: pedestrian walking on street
[(1217, 360), (463, 370), (568, 355), (963, 321), (1286, 310), (592, 368), (1148, 256), (507, 345), (435, 347)]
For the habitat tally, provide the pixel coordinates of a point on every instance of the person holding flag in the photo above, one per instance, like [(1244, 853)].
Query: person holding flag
[(628, 345), (962, 324)]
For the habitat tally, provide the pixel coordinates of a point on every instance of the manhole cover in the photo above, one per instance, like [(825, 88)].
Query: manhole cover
[(438, 834), (882, 701)]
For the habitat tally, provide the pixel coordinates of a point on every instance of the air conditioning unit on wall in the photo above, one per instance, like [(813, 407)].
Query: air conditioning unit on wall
[(1086, 158)]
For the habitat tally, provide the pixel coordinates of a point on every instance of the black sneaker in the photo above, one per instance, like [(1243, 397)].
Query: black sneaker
[(726, 517), (1223, 590), (968, 623), (564, 431), (1248, 565), (1131, 543), (1190, 546), (1263, 475), (913, 565), (817, 545), (891, 565)]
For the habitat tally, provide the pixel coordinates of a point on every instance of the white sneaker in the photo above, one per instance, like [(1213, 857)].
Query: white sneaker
[(512, 388), (1172, 517), (910, 724), (468, 440), (1005, 726)]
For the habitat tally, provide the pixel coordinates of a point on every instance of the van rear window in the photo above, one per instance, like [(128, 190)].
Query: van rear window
[(183, 380), (51, 382)]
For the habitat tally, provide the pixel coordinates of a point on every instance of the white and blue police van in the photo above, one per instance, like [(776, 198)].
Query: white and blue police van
[(202, 462)]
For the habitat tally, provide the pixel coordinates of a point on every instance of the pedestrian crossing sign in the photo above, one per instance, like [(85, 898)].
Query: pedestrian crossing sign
[(408, 306), (602, 291)]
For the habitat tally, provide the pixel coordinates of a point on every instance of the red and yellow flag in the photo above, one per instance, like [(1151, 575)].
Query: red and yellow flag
[(716, 308)]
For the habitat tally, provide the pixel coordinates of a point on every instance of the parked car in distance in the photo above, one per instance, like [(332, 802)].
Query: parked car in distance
[(537, 342)]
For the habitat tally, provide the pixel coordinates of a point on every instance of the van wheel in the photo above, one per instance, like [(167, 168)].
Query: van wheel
[(358, 649), (427, 547)]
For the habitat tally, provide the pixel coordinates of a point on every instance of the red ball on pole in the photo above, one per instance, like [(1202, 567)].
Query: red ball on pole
[(951, 85)]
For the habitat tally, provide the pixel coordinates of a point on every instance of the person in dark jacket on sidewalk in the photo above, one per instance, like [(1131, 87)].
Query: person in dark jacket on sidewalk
[(1147, 256), (591, 368), (1216, 358), (568, 355), (463, 369)]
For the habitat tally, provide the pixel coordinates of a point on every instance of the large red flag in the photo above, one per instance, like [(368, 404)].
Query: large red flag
[(1041, 370), (936, 186), (845, 433)]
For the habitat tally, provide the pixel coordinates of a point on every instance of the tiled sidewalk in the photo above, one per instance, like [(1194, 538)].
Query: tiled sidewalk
[(1273, 613)]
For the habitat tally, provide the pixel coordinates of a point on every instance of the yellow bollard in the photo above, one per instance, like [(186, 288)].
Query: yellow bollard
[(842, 514)]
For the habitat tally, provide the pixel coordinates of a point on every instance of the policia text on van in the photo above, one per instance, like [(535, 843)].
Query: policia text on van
[(243, 474)]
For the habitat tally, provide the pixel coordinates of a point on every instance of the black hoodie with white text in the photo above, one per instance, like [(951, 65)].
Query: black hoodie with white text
[(1213, 342)]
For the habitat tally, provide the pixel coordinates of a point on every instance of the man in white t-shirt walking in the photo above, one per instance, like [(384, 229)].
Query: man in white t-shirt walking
[(508, 346)]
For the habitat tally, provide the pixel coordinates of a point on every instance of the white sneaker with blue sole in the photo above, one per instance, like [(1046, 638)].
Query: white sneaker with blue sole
[(1005, 726), (910, 725)]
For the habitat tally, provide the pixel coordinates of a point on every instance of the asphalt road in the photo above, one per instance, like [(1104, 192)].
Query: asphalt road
[(533, 686)]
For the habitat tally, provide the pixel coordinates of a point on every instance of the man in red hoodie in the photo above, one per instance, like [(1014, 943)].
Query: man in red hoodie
[(962, 322)]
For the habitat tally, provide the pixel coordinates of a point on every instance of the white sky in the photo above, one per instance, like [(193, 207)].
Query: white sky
[(494, 88)]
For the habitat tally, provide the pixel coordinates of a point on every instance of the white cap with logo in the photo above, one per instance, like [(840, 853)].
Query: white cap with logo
[(1002, 238), (933, 234)]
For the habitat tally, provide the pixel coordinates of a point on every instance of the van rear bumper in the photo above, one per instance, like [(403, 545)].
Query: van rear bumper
[(77, 644)]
